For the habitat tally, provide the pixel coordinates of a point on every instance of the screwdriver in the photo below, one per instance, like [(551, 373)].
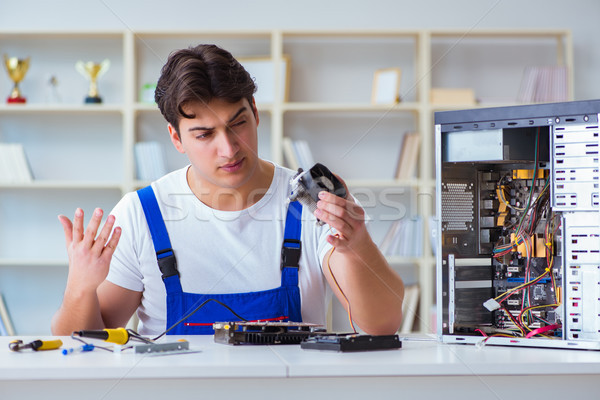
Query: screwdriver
[(17, 345)]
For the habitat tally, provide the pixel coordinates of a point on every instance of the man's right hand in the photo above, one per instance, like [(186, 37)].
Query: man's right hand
[(89, 252)]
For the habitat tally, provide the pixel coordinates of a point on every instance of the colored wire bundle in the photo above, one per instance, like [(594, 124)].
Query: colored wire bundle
[(521, 239)]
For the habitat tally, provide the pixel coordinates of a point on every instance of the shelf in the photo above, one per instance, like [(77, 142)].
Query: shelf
[(60, 108), (29, 34), (146, 107), (448, 107), (345, 107), (60, 185), (382, 183), (398, 260), (233, 34), (153, 108), (37, 263), (493, 63), (502, 33)]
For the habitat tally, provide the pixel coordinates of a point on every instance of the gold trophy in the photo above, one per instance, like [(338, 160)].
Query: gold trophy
[(17, 68), (92, 71)]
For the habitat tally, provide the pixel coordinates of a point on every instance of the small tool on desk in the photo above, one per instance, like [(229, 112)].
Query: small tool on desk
[(17, 345), (117, 336), (80, 349), (121, 336)]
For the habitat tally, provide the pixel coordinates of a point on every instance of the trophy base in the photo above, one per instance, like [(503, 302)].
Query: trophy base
[(93, 100), (16, 100)]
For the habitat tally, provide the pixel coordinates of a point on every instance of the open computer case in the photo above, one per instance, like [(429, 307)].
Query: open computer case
[(518, 233)]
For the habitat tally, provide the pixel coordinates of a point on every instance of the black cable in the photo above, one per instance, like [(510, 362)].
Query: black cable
[(136, 336), (133, 335), (194, 311)]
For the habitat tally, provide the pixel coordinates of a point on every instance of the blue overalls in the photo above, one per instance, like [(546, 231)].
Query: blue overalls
[(279, 304)]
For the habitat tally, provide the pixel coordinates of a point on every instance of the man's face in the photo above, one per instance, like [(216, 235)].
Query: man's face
[(220, 142)]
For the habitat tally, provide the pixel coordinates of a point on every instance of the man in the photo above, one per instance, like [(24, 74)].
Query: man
[(217, 239)]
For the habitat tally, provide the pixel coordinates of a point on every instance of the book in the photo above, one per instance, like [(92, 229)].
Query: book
[(14, 167), (404, 238), (7, 325), (303, 154), (446, 96), (409, 308), (5, 169), (400, 241), (262, 70), (289, 154), (3, 331), (409, 154), (388, 239), (150, 160)]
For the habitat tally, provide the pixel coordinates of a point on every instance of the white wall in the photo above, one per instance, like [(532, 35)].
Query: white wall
[(580, 16)]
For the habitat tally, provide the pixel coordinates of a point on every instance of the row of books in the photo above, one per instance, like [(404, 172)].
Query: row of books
[(404, 238), (297, 154), (410, 307), (544, 84), (150, 160), (409, 155), (14, 167)]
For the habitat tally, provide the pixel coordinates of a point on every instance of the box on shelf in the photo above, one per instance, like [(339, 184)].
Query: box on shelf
[(457, 96)]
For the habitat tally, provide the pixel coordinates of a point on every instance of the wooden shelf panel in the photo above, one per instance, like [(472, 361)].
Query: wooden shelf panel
[(329, 107), (25, 262), (59, 185), (60, 108)]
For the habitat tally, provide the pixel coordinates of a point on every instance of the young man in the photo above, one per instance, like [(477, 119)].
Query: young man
[(221, 229)]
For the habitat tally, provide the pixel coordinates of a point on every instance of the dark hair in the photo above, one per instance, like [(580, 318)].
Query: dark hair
[(199, 74)]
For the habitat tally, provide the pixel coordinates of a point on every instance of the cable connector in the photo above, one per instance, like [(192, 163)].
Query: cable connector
[(491, 305)]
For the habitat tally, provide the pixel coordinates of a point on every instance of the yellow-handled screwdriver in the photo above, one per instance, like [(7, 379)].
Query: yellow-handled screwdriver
[(17, 345)]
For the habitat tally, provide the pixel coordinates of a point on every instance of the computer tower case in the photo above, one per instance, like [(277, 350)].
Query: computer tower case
[(518, 225)]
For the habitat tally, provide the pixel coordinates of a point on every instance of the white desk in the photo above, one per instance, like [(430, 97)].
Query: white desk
[(420, 370)]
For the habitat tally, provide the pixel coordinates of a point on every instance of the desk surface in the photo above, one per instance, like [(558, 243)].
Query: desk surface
[(414, 367)]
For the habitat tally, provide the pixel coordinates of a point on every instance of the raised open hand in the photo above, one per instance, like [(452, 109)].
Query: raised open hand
[(89, 252)]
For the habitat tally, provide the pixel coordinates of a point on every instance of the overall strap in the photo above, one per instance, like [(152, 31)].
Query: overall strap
[(292, 247), (158, 231)]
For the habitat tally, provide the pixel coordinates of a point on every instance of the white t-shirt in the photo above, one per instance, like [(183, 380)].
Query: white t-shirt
[(216, 251)]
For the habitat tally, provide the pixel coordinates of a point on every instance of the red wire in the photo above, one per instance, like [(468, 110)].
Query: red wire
[(480, 331), (542, 330)]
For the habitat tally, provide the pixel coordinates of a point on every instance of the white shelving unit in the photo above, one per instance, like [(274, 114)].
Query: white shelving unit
[(82, 155)]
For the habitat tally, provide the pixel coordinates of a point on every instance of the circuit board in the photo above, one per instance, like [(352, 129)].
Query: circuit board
[(265, 333)]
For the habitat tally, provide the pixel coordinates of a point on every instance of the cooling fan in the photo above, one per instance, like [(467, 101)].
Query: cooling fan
[(306, 186)]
